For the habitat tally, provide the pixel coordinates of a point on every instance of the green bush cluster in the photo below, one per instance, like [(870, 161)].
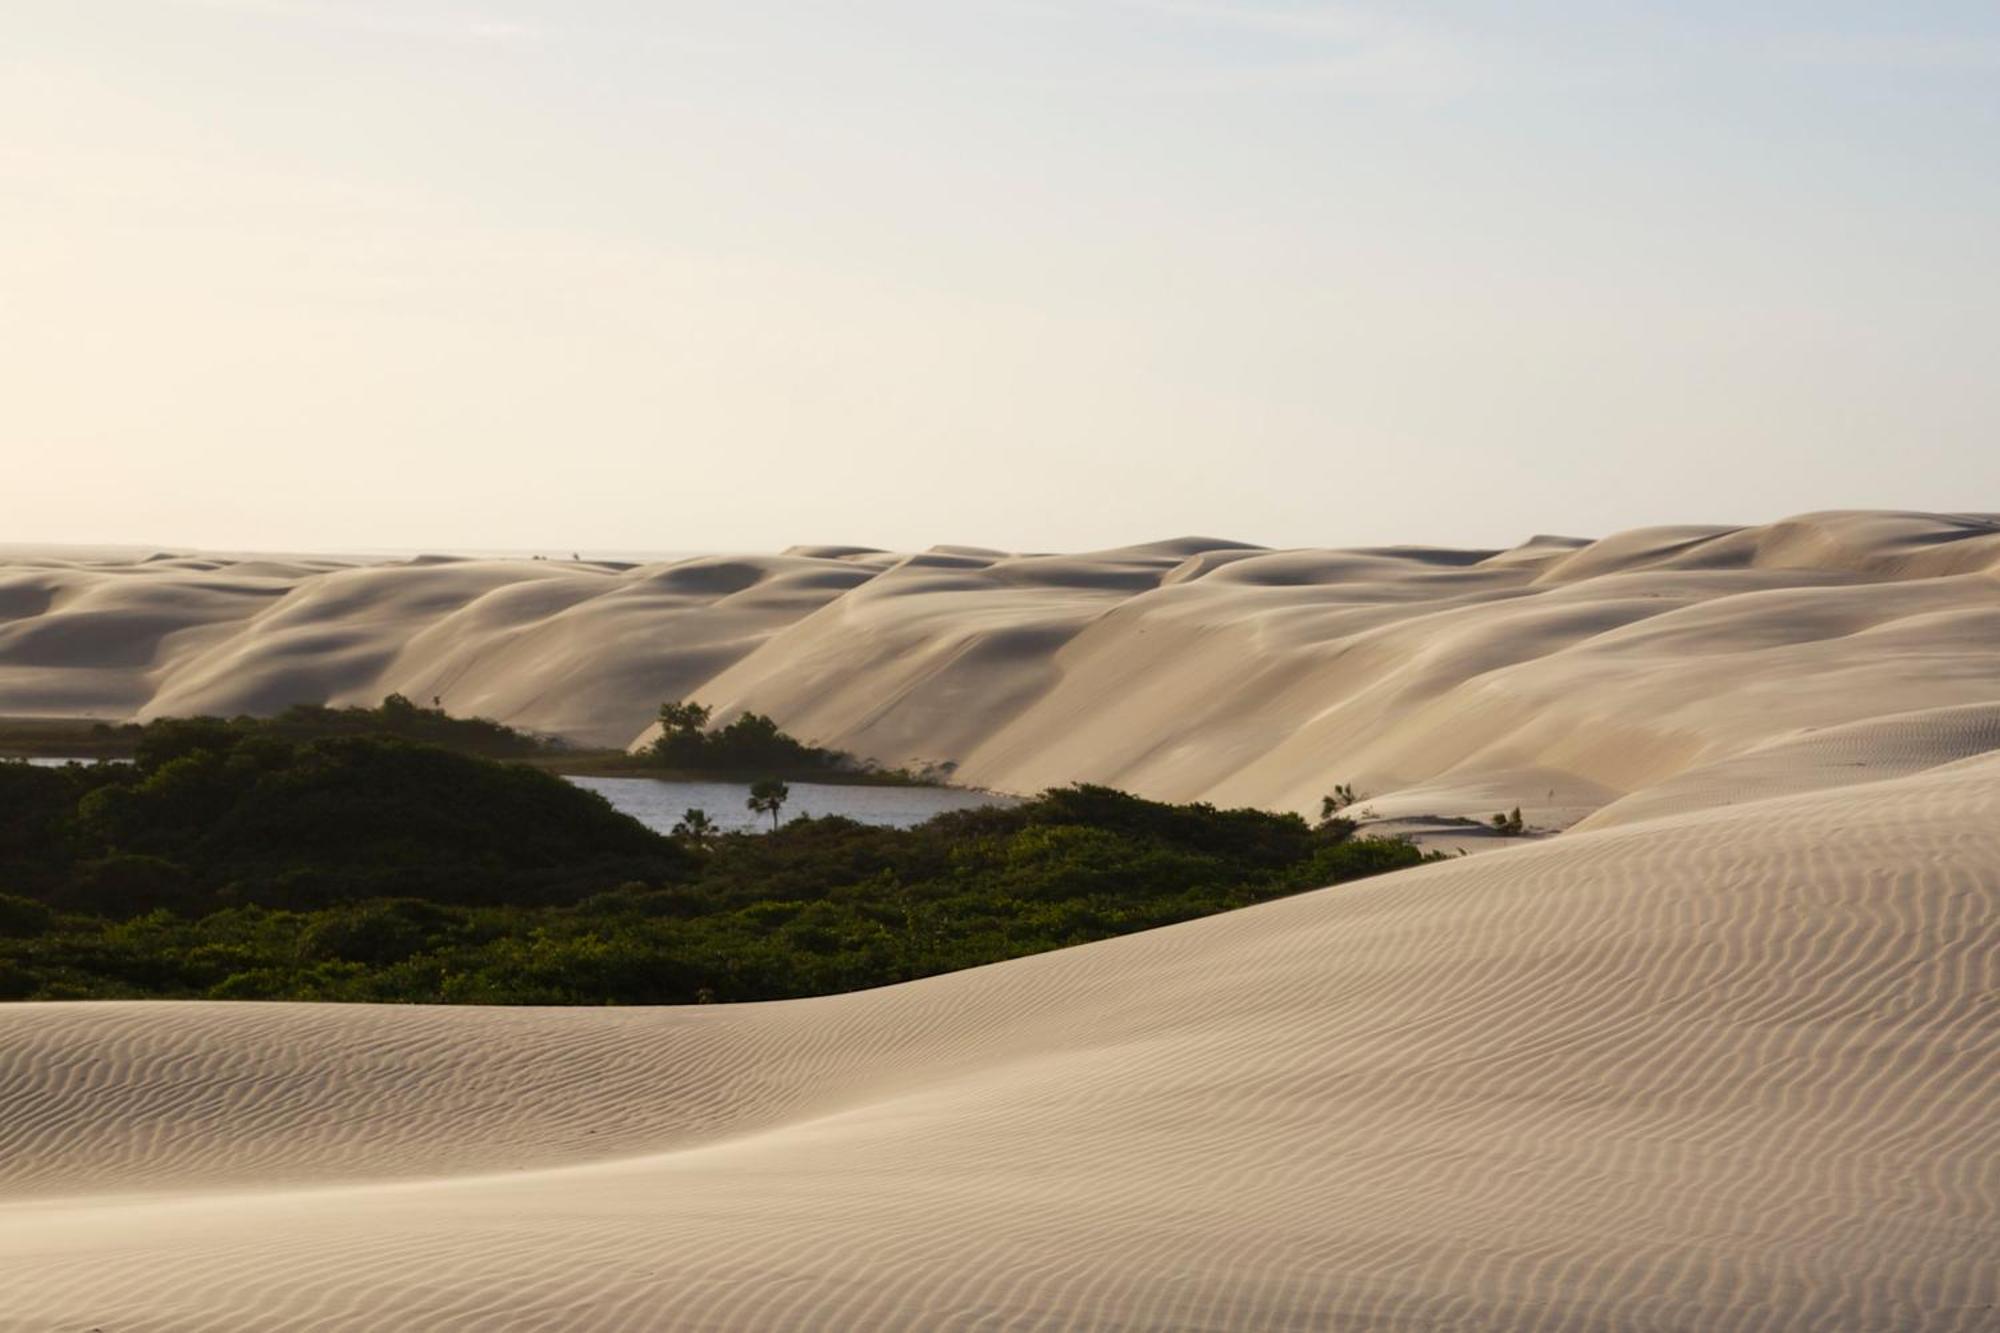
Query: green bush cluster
[(396, 716), (751, 744), (404, 720), (212, 815), (226, 863)]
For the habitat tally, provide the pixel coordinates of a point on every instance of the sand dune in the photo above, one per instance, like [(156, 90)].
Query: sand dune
[(1724, 1055), (1561, 675), (1730, 1070)]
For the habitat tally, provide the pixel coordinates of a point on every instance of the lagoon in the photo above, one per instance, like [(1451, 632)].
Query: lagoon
[(659, 802)]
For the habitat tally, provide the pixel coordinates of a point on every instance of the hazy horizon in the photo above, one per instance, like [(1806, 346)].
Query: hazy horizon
[(368, 277), (589, 553)]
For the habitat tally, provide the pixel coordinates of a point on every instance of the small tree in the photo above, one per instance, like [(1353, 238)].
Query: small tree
[(696, 829), (398, 708), (1509, 825), (681, 738), (1329, 806), (684, 717), (768, 797)]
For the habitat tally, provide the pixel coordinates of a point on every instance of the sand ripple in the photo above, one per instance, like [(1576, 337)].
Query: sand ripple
[(1725, 1055), (1734, 1069)]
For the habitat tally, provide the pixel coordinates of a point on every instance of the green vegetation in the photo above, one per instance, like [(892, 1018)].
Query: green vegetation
[(1509, 825), (73, 737), (750, 747), (400, 718), (210, 814), (1342, 797), (396, 717), (228, 861), (750, 744), (1330, 807), (769, 797), (697, 830)]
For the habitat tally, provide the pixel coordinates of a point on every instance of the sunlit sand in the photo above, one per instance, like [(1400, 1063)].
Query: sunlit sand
[(1717, 1050)]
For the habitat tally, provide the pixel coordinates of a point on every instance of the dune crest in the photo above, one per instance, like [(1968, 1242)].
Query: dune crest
[(1734, 1069), (1722, 1056), (1561, 676)]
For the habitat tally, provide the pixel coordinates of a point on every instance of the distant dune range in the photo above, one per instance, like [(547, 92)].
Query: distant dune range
[(1560, 676), (1723, 1055)]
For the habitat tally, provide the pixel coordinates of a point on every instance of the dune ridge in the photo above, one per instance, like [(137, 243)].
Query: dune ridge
[(1561, 675), (1729, 1069), (1724, 1055)]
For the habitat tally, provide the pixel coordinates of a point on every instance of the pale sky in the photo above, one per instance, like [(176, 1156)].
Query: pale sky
[(1036, 274)]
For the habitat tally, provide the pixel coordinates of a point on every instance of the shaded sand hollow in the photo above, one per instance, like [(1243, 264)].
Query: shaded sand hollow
[(1723, 1055)]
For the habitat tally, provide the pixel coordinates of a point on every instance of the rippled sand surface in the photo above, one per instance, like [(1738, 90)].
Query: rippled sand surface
[(1723, 1055)]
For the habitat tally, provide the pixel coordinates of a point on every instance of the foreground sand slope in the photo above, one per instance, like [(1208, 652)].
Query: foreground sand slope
[(1559, 676), (1731, 1069)]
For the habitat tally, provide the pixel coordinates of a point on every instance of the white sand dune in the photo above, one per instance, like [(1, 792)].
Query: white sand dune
[(1560, 676), (1730, 1070), (1724, 1055)]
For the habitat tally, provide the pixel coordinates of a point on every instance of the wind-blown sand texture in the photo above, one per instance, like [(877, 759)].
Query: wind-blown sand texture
[(1558, 676), (1724, 1055)]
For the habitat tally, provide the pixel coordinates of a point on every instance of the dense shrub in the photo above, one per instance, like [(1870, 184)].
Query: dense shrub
[(23, 917), (36, 805), (120, 886), (211, 816), (378, 932), (752, 744), (233, 863), (404, 720)]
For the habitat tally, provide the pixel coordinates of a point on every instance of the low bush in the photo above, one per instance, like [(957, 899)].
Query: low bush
[(232, 863)]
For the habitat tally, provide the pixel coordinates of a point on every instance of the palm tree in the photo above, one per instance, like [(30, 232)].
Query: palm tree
[(769, 797), (696, 829)]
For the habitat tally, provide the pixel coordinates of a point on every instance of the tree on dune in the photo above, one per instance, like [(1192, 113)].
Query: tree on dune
[(1343, 796), (684, 717)]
